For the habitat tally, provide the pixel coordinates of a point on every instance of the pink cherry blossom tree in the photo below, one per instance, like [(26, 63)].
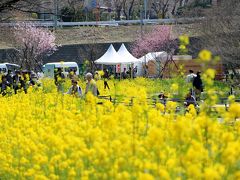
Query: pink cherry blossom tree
[(159, 39), (32, 44)]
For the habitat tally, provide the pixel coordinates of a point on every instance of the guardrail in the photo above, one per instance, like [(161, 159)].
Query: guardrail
[(109, 23)]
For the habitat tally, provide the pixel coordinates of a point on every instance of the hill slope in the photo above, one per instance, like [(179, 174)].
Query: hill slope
[(92, 35)]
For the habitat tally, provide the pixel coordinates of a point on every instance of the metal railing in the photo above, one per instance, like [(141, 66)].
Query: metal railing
[(109, 23)]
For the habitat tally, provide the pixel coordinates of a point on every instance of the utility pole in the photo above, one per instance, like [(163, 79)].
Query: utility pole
[(55, 13), (141, 18), (145, 9)]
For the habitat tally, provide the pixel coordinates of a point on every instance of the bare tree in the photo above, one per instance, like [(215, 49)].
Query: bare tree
[(25, 6), (128, 7), (160, 7), (118, 5), (220, 32)]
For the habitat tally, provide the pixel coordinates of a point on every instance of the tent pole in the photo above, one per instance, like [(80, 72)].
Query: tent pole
[(120, 71), (131, 70)]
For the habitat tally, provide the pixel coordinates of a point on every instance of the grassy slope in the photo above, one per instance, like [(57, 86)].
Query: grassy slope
[(89, 35)]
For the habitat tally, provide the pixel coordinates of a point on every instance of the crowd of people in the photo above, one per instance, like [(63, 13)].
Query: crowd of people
[(12, 82), (91, 86), (15, 81)]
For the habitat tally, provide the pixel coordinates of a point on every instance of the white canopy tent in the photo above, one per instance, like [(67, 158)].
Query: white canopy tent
[(159, 57), (154, 56), (126, 56), (110, 57)]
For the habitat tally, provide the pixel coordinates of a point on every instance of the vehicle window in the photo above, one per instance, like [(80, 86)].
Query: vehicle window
[(73, 68), (12, 67), (3, 70), (66, 69)]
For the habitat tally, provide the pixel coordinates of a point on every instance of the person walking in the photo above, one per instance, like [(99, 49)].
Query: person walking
[(105, 79), (198, 85), (190, 76), (18, 81), (4, 85), (59, 79), (91, 85), (9, 77)]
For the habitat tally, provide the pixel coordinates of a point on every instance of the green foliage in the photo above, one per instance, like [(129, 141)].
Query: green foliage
[(194, 7), (76, 15), (67, 14)]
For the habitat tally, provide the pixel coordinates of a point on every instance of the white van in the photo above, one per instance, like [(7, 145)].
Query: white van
[(4, 67), (48, 69)]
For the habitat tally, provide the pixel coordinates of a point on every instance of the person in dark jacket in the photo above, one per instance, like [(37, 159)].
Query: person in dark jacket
[(190, 99), (105, 78), (4, 85), (59, 79), (198, 85), (9, 77), (18, 81)]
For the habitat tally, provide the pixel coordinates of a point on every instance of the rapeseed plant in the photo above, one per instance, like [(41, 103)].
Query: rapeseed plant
[(47, 135)]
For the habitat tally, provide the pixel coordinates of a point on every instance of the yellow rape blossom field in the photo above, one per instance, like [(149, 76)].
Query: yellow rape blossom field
[(47, 135)]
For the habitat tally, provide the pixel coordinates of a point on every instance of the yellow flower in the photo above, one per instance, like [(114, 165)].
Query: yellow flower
[(205, 55), (164, 174), (210, 73), (155, 137), (184, 39), (234, 110), (174, 87), (171, 106), (231, 98), (194, 171), (71, 173), (101, 73), (182, 47), (160, 107), (145, 176), (211, 173)]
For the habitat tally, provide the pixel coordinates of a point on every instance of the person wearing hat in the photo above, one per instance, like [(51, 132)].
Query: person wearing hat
[(91, 85), (75, 89)]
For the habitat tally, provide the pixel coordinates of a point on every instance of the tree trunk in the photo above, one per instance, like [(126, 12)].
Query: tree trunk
[(118, 12)]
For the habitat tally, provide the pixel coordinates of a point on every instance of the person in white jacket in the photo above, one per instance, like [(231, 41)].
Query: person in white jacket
[(190, 76)]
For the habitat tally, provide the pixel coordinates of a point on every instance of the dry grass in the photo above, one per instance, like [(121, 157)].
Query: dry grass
[(89, 35)]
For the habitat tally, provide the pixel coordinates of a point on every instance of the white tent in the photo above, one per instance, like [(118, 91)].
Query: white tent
[(154, 56), (126, 56), (110, 57)]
